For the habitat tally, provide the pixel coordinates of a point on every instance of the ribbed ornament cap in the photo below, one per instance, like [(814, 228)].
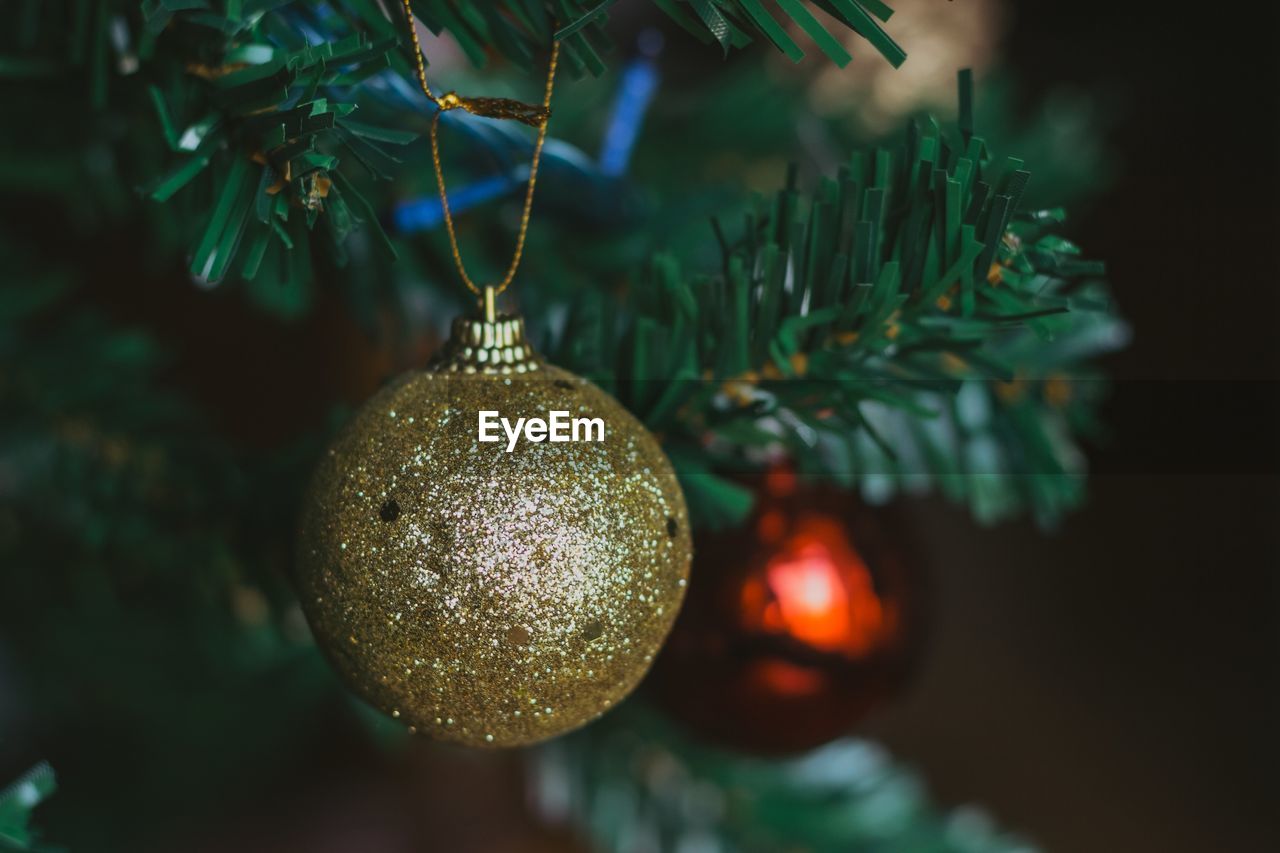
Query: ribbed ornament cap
[(491, 345)]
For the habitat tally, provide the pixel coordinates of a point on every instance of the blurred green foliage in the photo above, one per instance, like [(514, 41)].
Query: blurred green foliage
[(633, 780)]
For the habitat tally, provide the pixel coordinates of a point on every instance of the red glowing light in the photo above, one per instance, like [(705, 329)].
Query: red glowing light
[(818, 590)]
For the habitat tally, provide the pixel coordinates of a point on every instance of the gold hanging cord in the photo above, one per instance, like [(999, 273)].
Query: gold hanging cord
[(501, 108)]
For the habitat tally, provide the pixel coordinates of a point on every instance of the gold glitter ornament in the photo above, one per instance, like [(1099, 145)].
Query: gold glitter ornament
[(485, 596)]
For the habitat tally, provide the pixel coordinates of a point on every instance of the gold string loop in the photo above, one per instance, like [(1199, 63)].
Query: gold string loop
[(534, 115)]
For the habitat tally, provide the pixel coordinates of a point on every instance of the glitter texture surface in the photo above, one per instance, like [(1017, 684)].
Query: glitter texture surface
[(486, 597)]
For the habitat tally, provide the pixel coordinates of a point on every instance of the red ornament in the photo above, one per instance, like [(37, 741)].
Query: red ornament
[(793, 628)]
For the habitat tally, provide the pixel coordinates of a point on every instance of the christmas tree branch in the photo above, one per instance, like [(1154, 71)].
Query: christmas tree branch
[(266, 157), (848, 795), (264, 147), (263, 129), (520, 30), (901, 326)]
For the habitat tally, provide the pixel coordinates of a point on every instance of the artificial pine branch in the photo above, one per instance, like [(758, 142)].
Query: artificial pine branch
[(849, 795), (254, 102), (520, 29), (261, 125), (265, 149), (901, 326)]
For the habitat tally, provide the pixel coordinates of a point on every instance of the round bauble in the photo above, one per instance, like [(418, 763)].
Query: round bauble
[(492, 592), (797, 625)]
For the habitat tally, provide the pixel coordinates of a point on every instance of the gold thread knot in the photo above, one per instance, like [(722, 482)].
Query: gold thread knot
[(533, 115), (500, 108)]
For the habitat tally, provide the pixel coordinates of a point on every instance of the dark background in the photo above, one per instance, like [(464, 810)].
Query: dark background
[(1112, 688)]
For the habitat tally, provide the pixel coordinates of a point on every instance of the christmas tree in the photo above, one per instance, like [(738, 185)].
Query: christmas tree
[(224, 232)]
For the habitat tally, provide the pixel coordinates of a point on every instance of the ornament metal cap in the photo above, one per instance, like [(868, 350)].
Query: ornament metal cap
[(493, 344)]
